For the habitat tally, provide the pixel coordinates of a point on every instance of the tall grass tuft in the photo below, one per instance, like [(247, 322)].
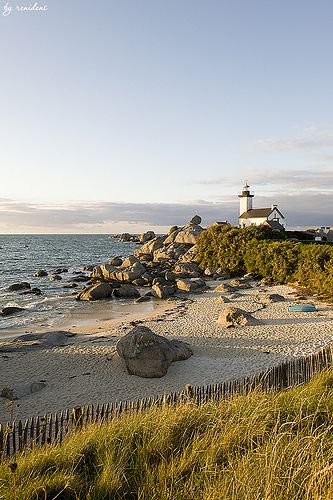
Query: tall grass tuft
[(260, 446)]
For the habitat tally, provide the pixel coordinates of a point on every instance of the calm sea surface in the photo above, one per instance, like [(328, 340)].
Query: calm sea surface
[(22, 255)]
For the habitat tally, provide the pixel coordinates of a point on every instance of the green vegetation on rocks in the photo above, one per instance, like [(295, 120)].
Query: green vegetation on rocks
[(263, 252), (260, 446)]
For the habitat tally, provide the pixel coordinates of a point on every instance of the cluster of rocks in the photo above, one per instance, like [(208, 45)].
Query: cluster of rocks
[(163, 264), (132, 238)]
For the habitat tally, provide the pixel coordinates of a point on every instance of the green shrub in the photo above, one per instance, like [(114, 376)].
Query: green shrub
[(253, 250)]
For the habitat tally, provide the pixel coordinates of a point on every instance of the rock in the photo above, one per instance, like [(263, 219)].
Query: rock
[(130, 274), (70, 285), (116, 261), (60, 270), (150, 247), (96, 292), (125, 237), (32, 291), (40, 273), (144, 237), (19, 391), (196, 220), (81, 278), (224, 288), (129, 261), (126, 291), (144, 298), (18, 286), (189, 255), (222, 299), (209, 272), (222, 273), (32, 341), (232, 316), (7, 311), (268, 298), (170, 276), (55, 277), (239, 284), (149, 355), (192, 269), (162, 291), (173, 229), (189, 285)]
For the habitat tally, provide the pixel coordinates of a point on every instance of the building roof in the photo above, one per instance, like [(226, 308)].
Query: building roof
[(259, 212), (274, 224)]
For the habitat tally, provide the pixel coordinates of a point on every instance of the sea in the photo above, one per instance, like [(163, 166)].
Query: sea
[(22, 255)]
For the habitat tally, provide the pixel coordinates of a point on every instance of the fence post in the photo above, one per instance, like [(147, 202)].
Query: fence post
[(77, 417)]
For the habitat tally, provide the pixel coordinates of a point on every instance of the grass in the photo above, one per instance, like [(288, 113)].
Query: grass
[(260, 446)]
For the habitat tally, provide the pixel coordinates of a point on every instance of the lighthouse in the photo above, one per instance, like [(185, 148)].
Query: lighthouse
[(245, 200)]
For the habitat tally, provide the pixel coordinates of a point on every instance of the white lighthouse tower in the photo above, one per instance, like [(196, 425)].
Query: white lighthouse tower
[(245, 200)]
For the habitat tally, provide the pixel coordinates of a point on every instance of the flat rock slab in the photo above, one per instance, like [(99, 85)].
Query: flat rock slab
[(34, 341), (149, 355)]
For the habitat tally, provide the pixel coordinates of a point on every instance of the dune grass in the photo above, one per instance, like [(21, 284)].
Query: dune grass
[(259, 446)]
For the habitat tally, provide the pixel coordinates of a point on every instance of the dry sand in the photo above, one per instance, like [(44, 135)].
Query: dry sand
[(86, 369)]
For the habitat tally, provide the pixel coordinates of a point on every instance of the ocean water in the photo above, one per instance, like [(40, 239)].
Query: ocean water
[(22, 255)]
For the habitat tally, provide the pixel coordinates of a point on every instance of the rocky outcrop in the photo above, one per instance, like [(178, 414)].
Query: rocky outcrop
[(232, 316), (96, 292), (158, 263), (149, 355)]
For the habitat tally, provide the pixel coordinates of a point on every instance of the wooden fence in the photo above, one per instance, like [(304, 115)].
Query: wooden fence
[(17, 436)]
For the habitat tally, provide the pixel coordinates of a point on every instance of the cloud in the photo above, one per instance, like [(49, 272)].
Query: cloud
[(310, 138), (303, 209), (102, 216), (291, 180)]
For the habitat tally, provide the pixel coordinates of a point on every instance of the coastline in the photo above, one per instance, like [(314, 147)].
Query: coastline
[(88, 370)]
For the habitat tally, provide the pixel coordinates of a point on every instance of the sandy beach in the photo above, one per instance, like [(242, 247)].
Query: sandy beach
[(87, 369)]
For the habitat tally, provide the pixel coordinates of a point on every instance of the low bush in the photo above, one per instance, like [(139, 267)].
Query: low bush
[(253, 250)]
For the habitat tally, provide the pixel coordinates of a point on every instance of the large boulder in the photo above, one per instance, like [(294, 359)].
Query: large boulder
[(150, 247), (96, 292), (232, 316), (144, 237), (116, 261), (191, 285), (126, 291), (162, 291), (196, 220), (149, 355)]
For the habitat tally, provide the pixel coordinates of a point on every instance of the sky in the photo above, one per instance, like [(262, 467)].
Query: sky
[(128, 115)]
